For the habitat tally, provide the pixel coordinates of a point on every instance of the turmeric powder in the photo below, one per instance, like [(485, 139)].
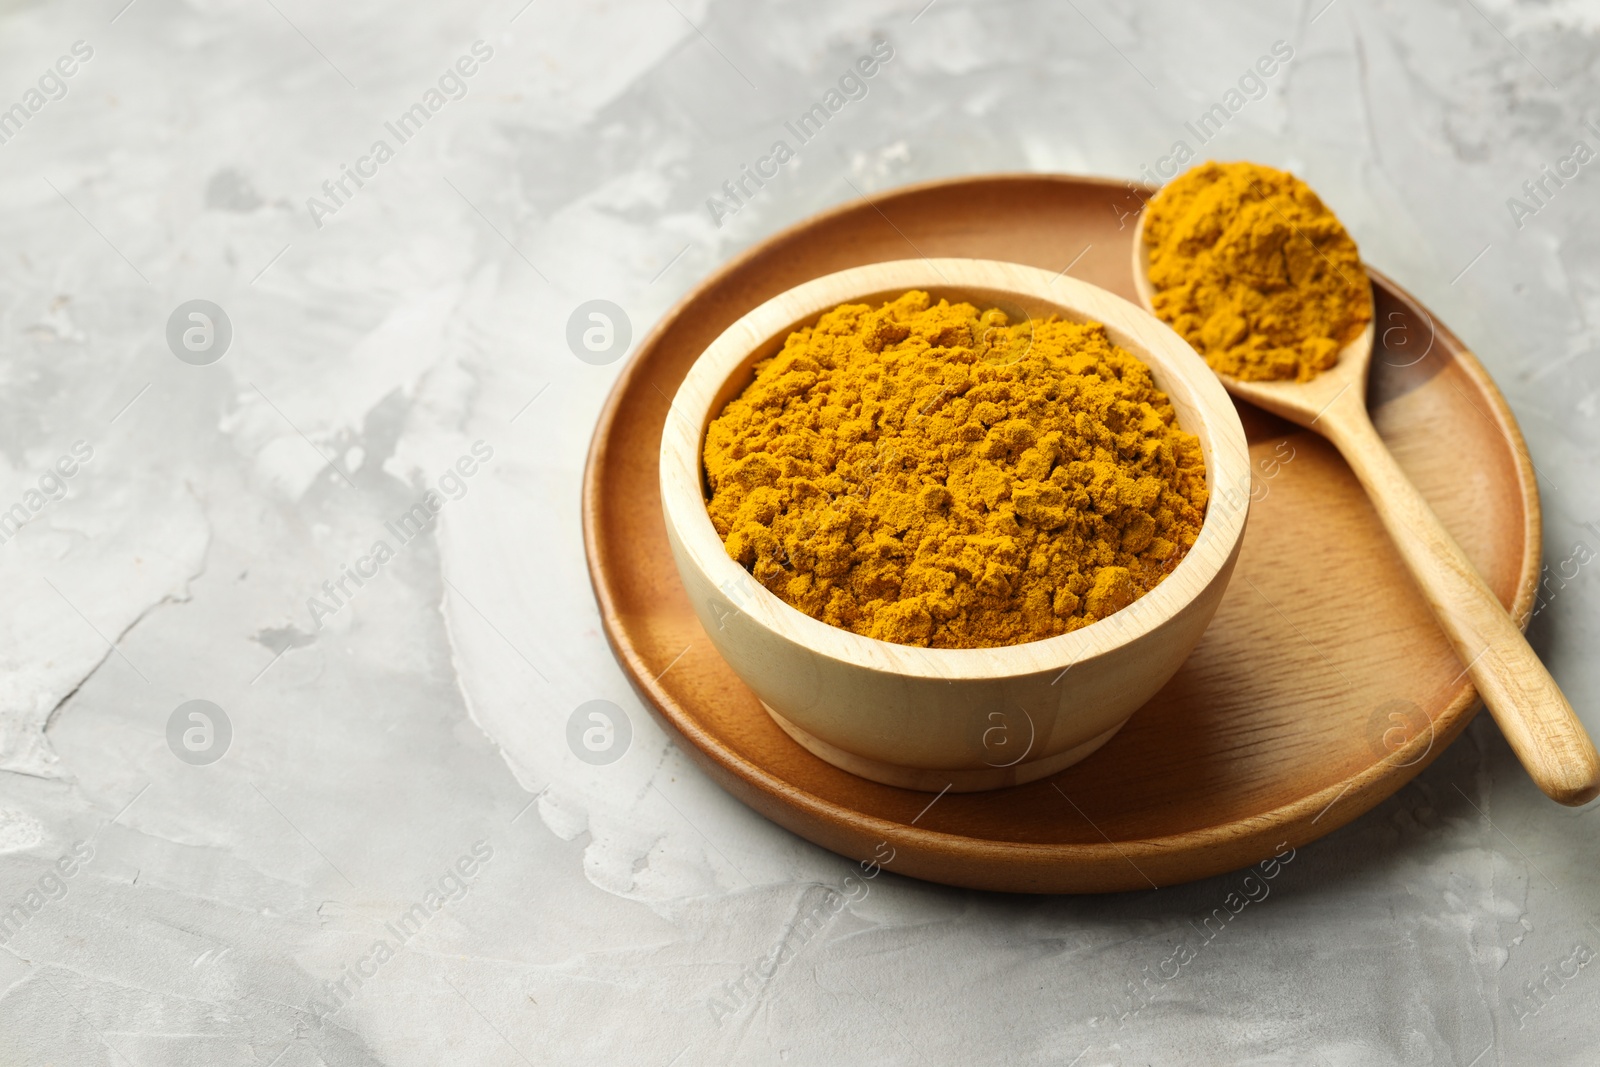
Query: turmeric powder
[(1254, 272), (935, 475)]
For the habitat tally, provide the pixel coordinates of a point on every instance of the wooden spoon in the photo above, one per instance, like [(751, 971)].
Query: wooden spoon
[(1519, 692)]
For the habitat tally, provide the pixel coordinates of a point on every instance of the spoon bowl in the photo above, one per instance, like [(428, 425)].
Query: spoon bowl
[(1302, 403)]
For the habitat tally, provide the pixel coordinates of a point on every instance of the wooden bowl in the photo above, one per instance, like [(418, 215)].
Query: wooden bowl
[(952, 719)]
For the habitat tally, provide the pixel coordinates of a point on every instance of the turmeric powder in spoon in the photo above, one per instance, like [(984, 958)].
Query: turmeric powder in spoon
[(1254, 271)]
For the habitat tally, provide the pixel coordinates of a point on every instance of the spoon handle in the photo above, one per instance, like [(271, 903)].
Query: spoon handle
[(1515, 686)]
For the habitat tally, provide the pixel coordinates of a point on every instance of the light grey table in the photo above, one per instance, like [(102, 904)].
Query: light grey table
[(376, 844)]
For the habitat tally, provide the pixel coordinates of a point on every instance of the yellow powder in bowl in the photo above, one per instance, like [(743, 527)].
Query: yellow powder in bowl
[(1252, 269), (932, 474)]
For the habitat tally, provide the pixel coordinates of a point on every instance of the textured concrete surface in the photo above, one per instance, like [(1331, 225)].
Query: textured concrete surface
[(376, 843)]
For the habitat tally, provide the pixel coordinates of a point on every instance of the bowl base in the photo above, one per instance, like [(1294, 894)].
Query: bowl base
[(933, 780)]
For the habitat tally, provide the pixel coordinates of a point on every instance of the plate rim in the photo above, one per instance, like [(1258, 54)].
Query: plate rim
[(1383, 775)]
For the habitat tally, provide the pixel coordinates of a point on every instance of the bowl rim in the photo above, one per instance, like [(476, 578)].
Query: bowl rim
[(1179, 371)]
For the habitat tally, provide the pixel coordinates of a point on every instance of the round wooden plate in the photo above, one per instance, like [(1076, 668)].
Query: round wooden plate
[(1322, 686)]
